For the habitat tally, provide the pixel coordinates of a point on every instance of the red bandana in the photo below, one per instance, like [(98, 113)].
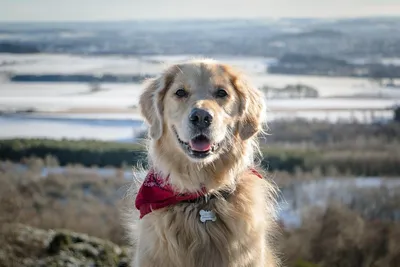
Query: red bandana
[(155, 193)]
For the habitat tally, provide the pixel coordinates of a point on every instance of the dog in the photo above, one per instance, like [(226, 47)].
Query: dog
[(203, 201)]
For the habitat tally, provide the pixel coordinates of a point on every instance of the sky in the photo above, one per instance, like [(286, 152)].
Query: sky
[(105, 10)]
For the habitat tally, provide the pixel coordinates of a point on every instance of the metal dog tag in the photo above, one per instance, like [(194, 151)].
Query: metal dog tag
[(207, 215)]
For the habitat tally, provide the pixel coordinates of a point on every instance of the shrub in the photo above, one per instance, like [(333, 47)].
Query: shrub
[(337, 161)]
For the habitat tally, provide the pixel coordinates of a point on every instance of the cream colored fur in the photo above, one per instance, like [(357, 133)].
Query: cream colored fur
[(174, 236)]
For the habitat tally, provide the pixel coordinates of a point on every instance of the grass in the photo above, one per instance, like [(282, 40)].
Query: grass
[(326, 148), (341, 161), (338, 236), (88, 203), (364, 233), (79, 201)]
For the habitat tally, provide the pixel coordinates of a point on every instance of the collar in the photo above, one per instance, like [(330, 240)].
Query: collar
[(156, 193)]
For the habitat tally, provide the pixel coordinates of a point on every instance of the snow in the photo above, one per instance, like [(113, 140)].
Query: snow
[(339, 93), (299, 198), (71, 128), (69, 64)]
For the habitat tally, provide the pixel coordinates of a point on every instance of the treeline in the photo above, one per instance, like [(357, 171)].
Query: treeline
[(87, 78), (367, 162), (18, 48), (304, 64), (84, 152), (350, 134), (320, 161)]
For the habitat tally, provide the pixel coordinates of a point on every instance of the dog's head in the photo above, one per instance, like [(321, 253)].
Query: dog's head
[(203, 107)]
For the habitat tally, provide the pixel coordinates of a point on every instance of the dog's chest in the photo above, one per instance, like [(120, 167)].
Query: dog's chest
[(207, 234), (215, 232)]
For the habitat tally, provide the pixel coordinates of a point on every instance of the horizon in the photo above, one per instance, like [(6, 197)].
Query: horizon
[(12, 11), (198, 19)]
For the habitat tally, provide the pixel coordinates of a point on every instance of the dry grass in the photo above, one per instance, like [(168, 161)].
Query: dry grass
[(81, 202), (89, 203), (340, 237)]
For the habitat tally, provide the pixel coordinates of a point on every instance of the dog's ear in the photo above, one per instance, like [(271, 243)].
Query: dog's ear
[(151, 102), (252, 107)]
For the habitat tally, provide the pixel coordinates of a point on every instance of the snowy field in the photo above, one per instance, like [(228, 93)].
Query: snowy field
[(301, 197), (336, 93), (120, 127)]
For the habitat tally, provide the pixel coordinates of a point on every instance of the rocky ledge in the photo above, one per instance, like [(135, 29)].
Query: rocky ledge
[(25, 246)]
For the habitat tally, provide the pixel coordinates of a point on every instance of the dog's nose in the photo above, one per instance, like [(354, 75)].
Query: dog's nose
[(200, 118)]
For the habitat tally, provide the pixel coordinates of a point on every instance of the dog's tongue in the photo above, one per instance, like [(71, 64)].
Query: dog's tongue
[(200, 144)]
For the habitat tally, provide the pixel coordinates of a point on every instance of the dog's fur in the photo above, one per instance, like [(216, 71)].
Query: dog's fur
[(174, 236)]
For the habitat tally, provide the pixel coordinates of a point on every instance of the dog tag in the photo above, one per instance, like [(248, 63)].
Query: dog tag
[(207, 215)]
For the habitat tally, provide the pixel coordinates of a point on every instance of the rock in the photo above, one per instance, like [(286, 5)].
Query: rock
[(396, 117), (59, 248)]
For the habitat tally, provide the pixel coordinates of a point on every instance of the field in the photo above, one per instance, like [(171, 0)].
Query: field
[(325, 180), (87, 202), (108, 111)]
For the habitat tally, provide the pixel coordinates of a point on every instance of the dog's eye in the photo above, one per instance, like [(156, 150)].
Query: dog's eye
[(181, 93), (221, 93)]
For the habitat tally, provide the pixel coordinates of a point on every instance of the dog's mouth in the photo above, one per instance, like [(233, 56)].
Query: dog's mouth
[(198, 147)]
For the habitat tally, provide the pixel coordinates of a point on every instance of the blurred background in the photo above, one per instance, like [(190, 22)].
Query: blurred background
[(70, 132)]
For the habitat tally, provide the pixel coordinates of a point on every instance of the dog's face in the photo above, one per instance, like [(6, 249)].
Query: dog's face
[(203, 107)]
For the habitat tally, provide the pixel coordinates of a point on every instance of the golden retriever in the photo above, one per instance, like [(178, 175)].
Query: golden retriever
[(204, 118)]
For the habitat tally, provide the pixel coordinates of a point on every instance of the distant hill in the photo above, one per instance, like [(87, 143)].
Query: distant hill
[(18, 48), (342, 38), (87, 78), (311, 64), (318, 33)]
